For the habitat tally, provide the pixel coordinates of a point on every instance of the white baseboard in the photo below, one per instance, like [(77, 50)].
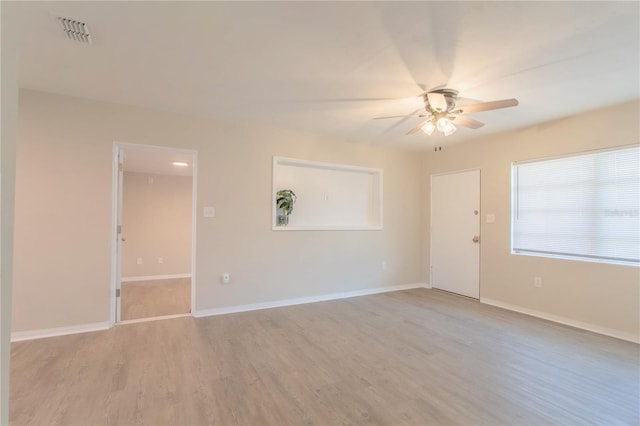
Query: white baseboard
[(18, 336), (147, 319), (154, 277), (302, 300), (563, 320)]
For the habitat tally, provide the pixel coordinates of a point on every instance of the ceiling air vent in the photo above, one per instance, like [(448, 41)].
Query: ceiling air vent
[(75, 30)]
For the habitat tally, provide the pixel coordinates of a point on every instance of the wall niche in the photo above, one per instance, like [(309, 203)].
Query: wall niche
[(329, 196)]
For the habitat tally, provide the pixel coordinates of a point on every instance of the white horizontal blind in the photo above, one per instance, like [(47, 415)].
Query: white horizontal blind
[(583, 206)]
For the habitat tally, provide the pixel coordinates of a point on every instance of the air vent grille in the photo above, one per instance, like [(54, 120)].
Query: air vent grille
[(75, 30)]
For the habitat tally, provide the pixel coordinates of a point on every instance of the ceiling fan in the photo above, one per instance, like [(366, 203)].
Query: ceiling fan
[(442, 112)]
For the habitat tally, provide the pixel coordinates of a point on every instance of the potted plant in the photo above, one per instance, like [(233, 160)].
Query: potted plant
[(285, 199)]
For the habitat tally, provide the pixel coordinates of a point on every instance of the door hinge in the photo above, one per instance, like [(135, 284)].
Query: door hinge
[(117, 292), (120, 167), (119, 229)]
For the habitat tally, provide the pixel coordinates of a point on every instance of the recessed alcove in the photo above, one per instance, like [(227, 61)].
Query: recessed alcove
[(329, 196)]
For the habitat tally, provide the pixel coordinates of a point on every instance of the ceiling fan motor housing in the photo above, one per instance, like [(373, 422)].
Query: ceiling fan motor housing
[(450, 95)]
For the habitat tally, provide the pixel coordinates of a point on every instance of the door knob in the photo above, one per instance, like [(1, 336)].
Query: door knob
[(476, 239)]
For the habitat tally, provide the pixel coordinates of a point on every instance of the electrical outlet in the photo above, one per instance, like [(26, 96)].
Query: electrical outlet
[(384, 265), (537, 282), (226, 278), (160, 260), (139, 261)]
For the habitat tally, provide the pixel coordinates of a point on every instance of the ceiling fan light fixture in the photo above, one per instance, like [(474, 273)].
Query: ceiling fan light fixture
[(429, 127), (442, 124), (450, 129)]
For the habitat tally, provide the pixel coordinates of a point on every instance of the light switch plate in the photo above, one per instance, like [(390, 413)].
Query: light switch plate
[(209, 212), (491, 218)]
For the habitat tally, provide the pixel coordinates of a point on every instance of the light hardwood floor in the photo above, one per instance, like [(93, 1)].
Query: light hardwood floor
[(416, 357), (144, 299)]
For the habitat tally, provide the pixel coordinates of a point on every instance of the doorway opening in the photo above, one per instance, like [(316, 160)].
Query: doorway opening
[(153, 250)]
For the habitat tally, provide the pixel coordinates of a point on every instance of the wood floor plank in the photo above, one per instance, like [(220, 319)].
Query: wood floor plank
[(154, 298), (415, 357)]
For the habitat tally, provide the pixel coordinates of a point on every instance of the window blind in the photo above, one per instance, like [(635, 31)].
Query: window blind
[(583, 206)]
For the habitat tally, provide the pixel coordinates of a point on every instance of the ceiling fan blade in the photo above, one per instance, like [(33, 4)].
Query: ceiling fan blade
[(486, 106), (437, 101), (466, 101), (417, 128), (467, 122), (411, 114), (392, 116), (401, 122), (348, 100)]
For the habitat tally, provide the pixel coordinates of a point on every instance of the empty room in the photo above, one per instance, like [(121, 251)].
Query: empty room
[(320, 213)]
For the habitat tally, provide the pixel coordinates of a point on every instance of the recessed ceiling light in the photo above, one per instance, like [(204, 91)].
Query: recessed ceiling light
[(180, 164)]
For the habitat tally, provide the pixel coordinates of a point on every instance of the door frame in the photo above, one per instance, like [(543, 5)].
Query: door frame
[(472, 169), (118, 147)]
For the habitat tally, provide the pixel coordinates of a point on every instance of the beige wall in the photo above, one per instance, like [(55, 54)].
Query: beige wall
[(63, 215), (606, 296), (156, 222), (8, 119), (63, 212)]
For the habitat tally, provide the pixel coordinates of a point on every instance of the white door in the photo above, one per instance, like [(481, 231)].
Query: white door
[(455, 232)]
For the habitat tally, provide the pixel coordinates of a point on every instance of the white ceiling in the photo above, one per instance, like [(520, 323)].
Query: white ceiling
[(304, 65)]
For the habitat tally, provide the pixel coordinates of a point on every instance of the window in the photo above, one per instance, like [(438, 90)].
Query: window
[(580, 207)]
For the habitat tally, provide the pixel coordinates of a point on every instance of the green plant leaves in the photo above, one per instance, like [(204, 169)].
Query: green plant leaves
[(285, 199)]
